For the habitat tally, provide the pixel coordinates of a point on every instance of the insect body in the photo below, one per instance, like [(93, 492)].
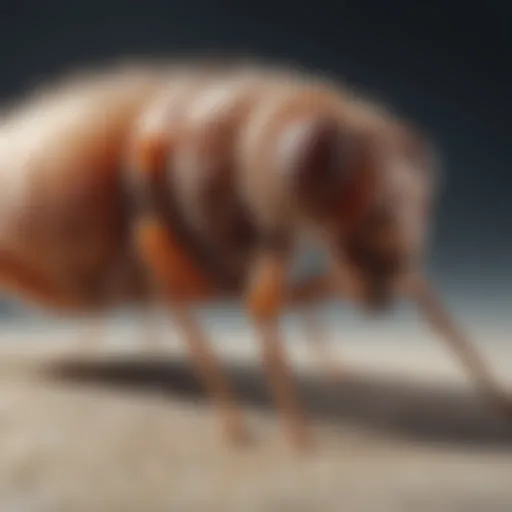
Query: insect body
[(200, 180)]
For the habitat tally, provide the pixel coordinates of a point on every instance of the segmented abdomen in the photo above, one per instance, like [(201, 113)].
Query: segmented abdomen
[(216, 137)]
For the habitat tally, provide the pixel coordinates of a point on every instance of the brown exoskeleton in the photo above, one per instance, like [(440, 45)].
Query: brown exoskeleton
[(199, 180)]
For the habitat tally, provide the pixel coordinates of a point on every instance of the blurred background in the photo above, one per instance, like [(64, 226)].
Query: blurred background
[(445, 65)]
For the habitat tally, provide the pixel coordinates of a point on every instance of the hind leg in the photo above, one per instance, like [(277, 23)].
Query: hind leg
[(266, 298), (181, 285)]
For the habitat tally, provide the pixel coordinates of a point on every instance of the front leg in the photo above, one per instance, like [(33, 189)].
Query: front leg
[(454, 337), (266, 297)]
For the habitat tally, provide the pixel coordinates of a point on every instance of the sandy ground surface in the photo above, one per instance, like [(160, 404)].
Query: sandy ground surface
[(126, 427)]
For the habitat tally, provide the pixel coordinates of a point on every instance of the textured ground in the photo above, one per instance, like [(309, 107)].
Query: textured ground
[(126, 428)]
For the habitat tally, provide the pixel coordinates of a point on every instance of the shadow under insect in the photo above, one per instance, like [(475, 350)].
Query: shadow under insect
[(393, 407)]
